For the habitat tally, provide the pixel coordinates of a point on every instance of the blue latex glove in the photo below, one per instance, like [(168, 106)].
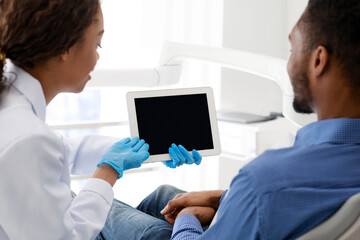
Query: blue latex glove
[(180, 155), (126, 154)]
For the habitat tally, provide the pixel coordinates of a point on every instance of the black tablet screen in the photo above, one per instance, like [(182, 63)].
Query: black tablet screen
[(181, 119)]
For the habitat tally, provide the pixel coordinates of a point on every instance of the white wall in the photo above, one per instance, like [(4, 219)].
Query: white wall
[(260, 26), (294, 10)]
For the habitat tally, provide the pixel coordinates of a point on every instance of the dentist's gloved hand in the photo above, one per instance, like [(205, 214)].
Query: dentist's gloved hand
[(180, 155), (126, 154)]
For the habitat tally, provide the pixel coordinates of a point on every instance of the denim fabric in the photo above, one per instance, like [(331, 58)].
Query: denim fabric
[(143, 222)]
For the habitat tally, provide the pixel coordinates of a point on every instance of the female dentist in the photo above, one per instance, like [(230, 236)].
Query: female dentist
[(48, 47)]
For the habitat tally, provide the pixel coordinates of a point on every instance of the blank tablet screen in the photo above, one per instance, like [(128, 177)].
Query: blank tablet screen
[(179, 119)]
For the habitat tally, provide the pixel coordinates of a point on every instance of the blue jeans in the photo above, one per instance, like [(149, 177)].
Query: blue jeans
[(143, 222)]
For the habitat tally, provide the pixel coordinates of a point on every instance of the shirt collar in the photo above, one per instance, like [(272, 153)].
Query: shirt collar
[(29, 87), (335, 131)]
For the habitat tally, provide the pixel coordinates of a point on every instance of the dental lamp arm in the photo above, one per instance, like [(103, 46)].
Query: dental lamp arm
[(174, 54)]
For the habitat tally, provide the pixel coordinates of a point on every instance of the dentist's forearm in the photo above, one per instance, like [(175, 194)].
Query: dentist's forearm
[(106, 173)]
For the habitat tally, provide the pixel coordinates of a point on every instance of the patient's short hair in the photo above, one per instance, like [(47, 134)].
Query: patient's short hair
[(335, 24)]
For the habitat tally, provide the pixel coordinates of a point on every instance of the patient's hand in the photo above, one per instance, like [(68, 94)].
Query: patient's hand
[(203, 214), (206, 199)]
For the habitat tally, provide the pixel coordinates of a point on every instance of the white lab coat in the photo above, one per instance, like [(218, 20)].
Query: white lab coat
[(35, 164)]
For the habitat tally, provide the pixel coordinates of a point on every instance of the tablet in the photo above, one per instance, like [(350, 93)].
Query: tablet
[(181, 116)]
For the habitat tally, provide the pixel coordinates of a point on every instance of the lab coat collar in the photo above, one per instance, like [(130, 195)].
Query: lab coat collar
[(333, 131), (29, 87)]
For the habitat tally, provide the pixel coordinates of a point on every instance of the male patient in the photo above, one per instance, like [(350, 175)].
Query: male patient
[(284, 193)]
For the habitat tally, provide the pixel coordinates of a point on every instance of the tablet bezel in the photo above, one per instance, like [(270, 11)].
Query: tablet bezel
[(131, 96)]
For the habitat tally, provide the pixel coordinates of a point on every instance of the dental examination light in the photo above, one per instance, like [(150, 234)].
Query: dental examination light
[(174, 54)]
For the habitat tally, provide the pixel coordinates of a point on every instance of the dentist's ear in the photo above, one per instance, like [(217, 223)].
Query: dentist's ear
[(66, 55)]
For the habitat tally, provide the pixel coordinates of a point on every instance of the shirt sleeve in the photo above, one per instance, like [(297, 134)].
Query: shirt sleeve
[(237, 216), (223, 196), (186, 227), (85, 153), (37, 204)]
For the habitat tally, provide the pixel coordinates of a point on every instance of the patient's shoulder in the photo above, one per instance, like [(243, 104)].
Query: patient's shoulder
[(276, 169), (305, 166)]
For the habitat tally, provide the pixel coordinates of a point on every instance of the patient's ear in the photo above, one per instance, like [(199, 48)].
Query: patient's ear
[(319, 61)]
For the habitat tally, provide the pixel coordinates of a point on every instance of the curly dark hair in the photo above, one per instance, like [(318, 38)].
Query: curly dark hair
[(335, 24), (33, 31)]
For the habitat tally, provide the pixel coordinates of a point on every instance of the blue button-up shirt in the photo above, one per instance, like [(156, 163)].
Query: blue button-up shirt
[(284, 193)]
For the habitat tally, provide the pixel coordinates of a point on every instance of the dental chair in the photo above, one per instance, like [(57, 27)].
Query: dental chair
[(343, 225)]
